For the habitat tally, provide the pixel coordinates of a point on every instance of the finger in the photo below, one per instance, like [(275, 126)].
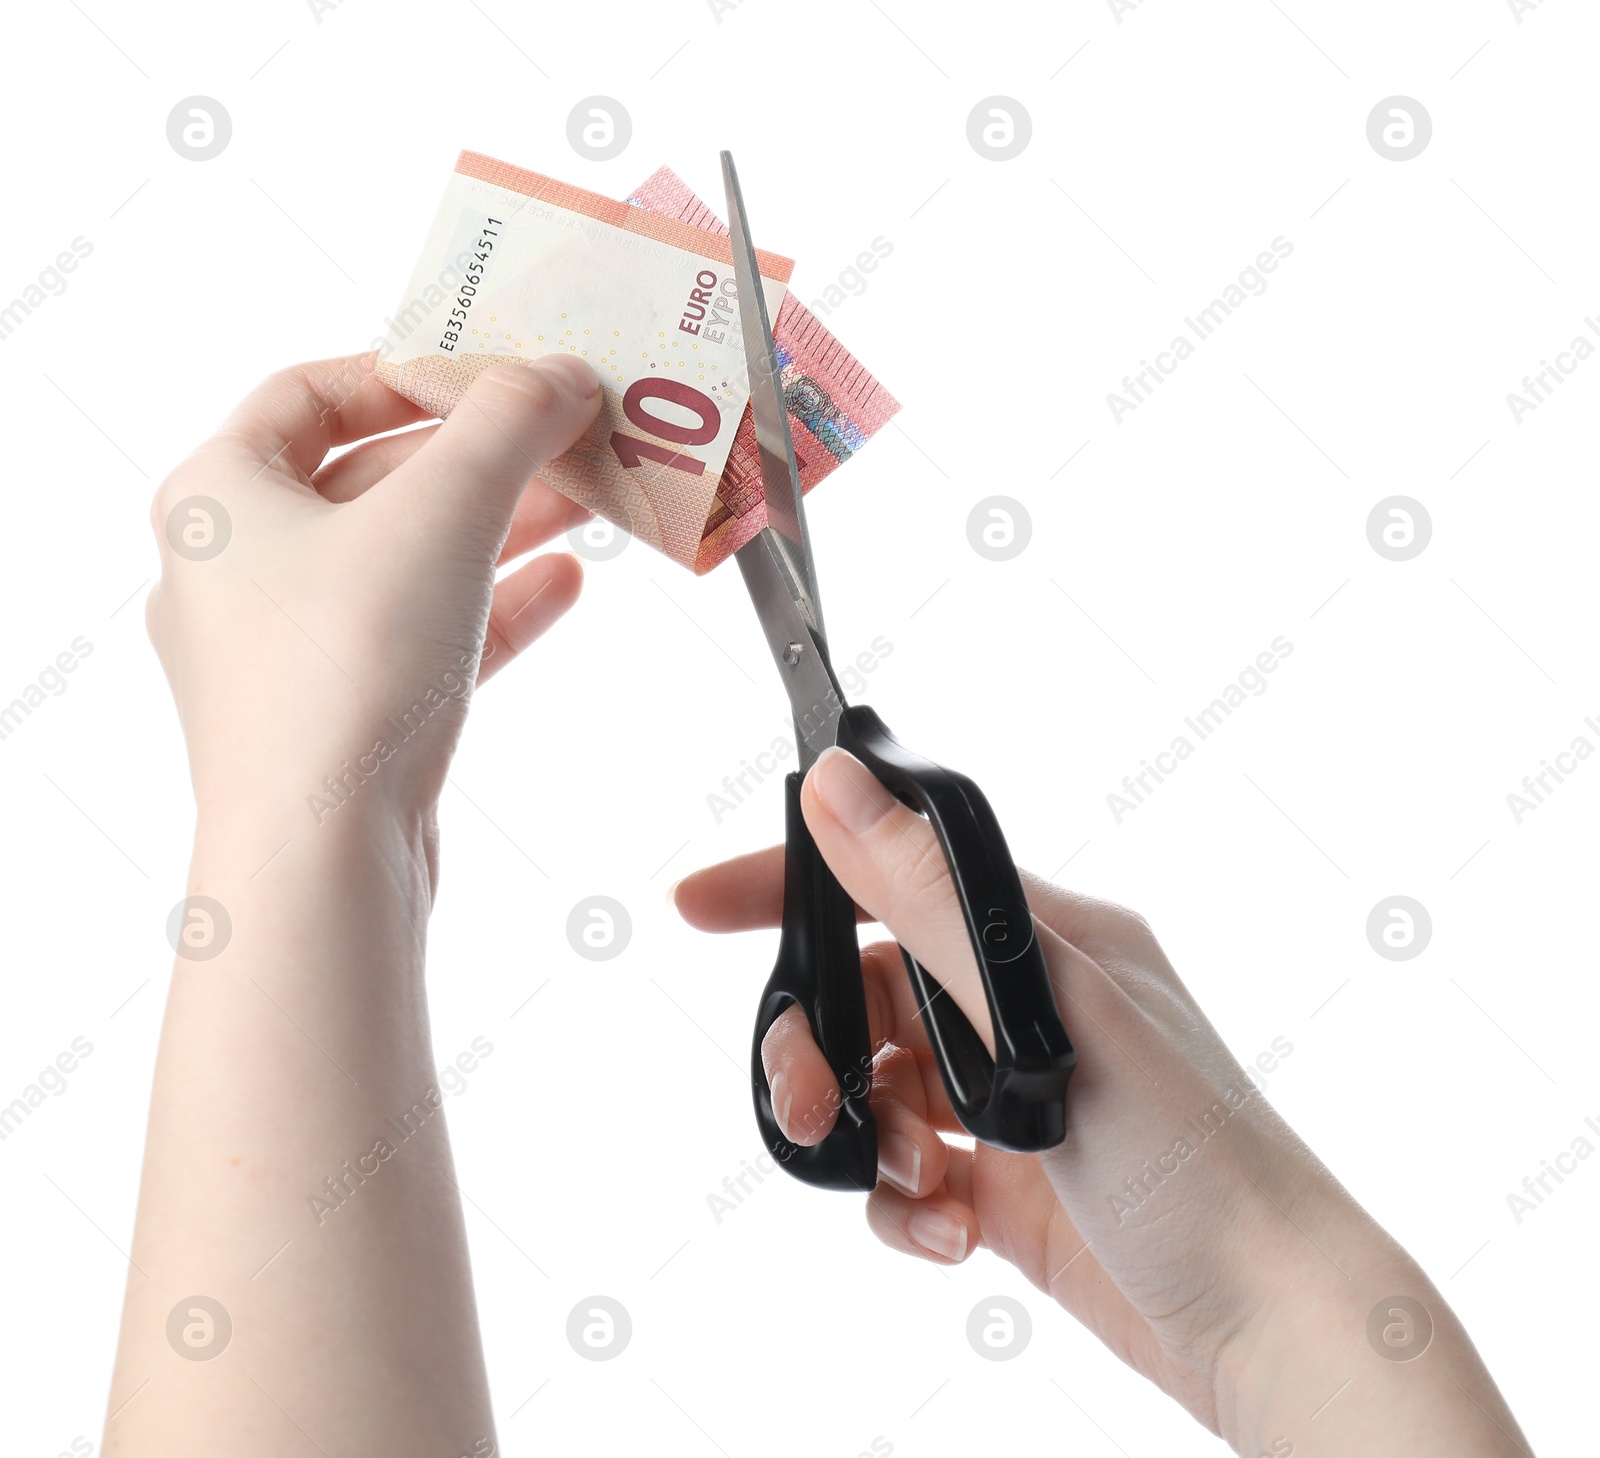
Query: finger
[(938, 1227), (805, 1094), (888, 858), (525, 605), (911, 1155), (743, 894), (910, 1076), (746, 893), (464, 485), (345, 477), (894, 1012), (738, 895), (293, 418), (542, 513), (1025, 1226)]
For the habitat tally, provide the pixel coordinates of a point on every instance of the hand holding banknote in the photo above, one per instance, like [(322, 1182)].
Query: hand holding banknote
[(322, 622), (367, 581)]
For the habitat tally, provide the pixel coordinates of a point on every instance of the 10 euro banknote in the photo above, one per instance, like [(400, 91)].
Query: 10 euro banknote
[(835, 406), (517, 265)]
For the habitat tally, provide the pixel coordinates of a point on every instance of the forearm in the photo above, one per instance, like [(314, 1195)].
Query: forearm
[(1357, 1352), (298, 1171)]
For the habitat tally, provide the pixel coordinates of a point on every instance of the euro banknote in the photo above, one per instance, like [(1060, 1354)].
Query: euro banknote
[(835, 406), (517, 264)]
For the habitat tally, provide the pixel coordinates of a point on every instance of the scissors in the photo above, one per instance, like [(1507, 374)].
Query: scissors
[(1015, 1100)]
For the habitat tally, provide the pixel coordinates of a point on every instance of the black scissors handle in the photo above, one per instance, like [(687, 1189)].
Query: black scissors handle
[(1015, 1100), (819, 967)]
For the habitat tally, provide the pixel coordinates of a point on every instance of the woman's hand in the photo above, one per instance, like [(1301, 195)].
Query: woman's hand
[(1182, 1221), (325, 653), (322, 624)]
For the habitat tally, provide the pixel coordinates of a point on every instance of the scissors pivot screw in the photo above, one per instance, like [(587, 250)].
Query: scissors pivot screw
[(791, 654)]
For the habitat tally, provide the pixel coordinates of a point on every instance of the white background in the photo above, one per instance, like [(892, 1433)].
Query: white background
[(1169, 148)]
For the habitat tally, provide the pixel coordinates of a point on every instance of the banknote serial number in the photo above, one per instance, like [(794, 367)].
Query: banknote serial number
[(478, 260)]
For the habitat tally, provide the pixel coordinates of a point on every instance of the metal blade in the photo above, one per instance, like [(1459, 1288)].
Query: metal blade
[(798, 649), (780, 476)]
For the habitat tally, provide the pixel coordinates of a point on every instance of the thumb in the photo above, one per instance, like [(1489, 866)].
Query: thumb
[(889, 860), (513, 421)]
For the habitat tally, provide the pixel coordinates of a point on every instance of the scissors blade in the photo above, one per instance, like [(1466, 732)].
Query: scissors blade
[(799, 651), (780, 475)]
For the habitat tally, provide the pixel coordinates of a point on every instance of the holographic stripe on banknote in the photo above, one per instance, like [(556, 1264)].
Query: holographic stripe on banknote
[(835, 405)]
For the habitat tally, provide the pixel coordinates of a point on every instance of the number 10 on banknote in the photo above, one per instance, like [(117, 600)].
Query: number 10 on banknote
[(518, 265)]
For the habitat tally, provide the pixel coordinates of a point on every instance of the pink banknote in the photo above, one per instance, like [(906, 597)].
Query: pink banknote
[(835, 405), (517, 265)]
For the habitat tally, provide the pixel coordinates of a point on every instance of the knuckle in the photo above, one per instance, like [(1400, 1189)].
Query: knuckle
[(1129, 922), (1099, 927), (274, 395), (193, 477), (289, 380), (893, 1071), (1128, 919), (161, 504), (881, 956), (1109, 919)]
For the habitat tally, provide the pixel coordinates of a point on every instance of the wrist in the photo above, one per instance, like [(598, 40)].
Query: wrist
[(248, 851), (307, 771), (1353, 1350)]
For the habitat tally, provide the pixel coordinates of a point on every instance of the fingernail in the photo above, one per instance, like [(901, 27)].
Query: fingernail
[(672, 892), (570, 374), (849, 792), (939, 1234), (900, 1162), (782, 1101)]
